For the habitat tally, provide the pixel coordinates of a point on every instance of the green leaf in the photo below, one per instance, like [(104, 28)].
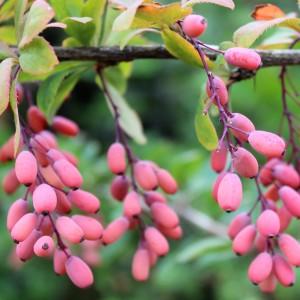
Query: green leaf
[(5, 51), (246, 35), (7, 10), (205, 246), (8, 35), (14, 108), (129, 119), (225, 3), (181, 48), (125, 19), (60, 9), (81, 28), (53, 91), (158, 16), (205, 129), (5, 82), (38, 57), (21, 6), (38, 17), (133, 33)]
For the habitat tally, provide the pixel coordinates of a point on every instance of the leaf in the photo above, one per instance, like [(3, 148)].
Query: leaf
[(57, 25), (7, 10), (53, 91), (14, 108), (5, 51), (205, 129), (5, 82), (38, 17), (225, 3), (158, 16), (196, 250), (129, 119), (21, 6), (246, 35), (180, 48), (267, 11), (124, 20), (132, 33), (8, 35), (38, 57)]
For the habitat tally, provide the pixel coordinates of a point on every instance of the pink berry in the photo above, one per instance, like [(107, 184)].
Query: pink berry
[(285, 218), (245, 163), (241, 126), (243, 58), (132, 205), (268, 223), (16, 211), (140, 267), (290, 247), (265, 174), (218, 158), (267, 143), (164, 215), (174, 233), (260, 268), (216, 185), (156, 241), (243, 241), (79, 272), (115, 230), (194, 25), (283, 271), (291, 200), (26, 168), (238, 223), (10, 182), (116, 158), (220, 89), (91, 228), (154, 196), (230, 192), (286, 175), (166, 181), (44, 246), (119, 187), (69, 230), (36, 119), (44, 198), (59, 260), (269, 284), (84, 200), (24, 227), (65, 126), (64, 205), (145, 175)]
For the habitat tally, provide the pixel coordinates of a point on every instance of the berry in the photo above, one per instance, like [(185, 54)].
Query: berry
[(115, 230), (260, 268), (16, 211), (145, 175), (69, 230), (166, 181), (239, 222), (44, 199), (140, 267), (218, 158), (156, 241), (194, 25), (119, 187), (36, 119), (164, 215), (44, 246), (91, 228), (220, 89), (24, 227), (132, 206), (243, 241), (290, 247), (65, 126), (268, 223), (84, 200), (116, 158), (241, 126), (26, 168), (283, 271), (245, 163), (291, 200)]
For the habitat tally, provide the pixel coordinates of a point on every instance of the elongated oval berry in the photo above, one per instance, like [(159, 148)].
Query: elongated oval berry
[(63, 205), (10, 182), (36, 119), (218, 158), (91, 227), (216, 185), (268, 223), (44, 246), (285, 218), (59, 260), (291, 200), (220, 89), (140, 267), (79, 272), (119, 187), (174, 233), (69, 230), (116, 158), (145, 175), (290, 247), (50, 138), (286, 175), (194, 25), (132, 205), (51, 177), (84, 200), (154, 196), (65, 126), (16, 211), (68, 173), (24, 227), (156, 241), (243, 241), (268, 285), (70, 157), (241, 126), (243, 58), (283, 271), (44, 198), (261, 243), (166, 181), (239, 222), (260, 268), (267, 143), (26, 168), (115, 230), (164, 215), (54, 154), (230, 192), (265, 174), (245, 163), (24, 250)]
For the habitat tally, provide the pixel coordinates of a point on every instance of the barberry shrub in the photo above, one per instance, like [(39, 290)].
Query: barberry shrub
[(55, 214)]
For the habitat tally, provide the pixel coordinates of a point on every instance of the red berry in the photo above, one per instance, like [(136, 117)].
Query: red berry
[(245, 163), (194, 25), (166, 181), (36, 119), (65, 126), (242, 126), (291, 200), (286, 175), (164, 215), (145, 175), (220, 89), (85, 201), (238, 223), (119, 187), (218, 158)]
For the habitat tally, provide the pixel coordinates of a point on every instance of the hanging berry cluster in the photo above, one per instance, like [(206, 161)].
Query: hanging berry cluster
[(278, 251)]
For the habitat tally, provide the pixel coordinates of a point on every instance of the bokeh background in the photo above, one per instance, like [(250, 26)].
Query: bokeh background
[(165, 94)]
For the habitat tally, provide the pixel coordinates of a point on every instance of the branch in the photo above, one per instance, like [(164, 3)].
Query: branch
[(111, 55)]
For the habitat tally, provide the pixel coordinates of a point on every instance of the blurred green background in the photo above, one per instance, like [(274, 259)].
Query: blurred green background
[(165, 94)]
